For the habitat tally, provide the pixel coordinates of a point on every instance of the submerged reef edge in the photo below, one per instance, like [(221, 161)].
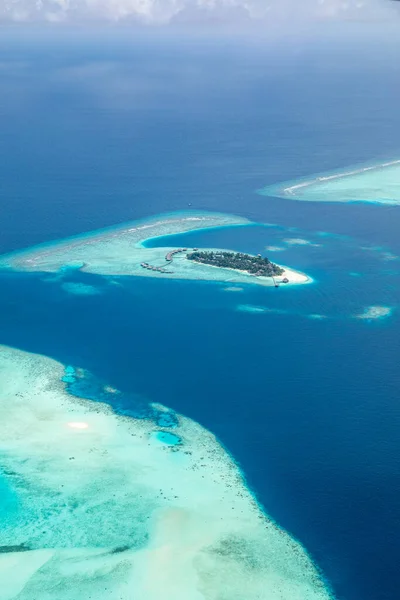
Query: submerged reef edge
[(104, 504)]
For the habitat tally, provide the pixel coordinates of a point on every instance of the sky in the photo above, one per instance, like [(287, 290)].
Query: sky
[(153, 12)]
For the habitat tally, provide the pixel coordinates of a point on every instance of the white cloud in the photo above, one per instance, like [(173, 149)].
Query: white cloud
[(160, 11)]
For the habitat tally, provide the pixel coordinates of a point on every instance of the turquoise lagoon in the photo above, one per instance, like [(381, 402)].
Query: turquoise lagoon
[(8, 500)]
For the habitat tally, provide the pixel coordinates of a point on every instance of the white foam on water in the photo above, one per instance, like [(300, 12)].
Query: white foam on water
[(233, 289), (275, 248), (388, 256), (300, 242), (250, 308)]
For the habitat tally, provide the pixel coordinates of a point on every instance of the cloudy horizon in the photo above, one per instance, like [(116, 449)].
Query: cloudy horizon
[(192, 11)]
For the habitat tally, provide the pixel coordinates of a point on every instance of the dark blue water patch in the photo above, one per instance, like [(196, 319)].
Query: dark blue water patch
[(245, 238), (166, 419), (84, 385), (161, 158)]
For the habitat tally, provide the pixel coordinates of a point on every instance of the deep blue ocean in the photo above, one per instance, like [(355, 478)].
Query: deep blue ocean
[(98, 130)]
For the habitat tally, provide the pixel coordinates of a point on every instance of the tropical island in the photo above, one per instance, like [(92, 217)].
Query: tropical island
[(254, 265), (122, 250)]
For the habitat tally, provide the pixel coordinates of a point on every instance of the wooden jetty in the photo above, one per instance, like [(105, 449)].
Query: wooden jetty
[(170, 256), (145, 265)]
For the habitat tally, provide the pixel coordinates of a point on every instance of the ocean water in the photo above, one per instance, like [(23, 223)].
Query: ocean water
[(307, 406)]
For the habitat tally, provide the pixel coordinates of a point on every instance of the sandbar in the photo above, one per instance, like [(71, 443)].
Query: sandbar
[(373, 182)]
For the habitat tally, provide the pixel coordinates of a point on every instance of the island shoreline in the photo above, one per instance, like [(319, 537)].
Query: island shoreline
[(121, 250)]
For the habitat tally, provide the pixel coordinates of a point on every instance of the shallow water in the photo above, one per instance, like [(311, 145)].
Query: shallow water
[(376, 182), (8, 500)]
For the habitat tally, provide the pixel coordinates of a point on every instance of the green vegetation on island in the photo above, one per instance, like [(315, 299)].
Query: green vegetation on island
[(255, 265)]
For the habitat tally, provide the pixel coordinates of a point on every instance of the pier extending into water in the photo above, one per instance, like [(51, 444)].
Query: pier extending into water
[(169, 257), (146, 265)]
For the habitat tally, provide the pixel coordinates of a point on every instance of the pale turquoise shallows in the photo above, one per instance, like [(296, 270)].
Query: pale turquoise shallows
[(112, 508), (377, 183)]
